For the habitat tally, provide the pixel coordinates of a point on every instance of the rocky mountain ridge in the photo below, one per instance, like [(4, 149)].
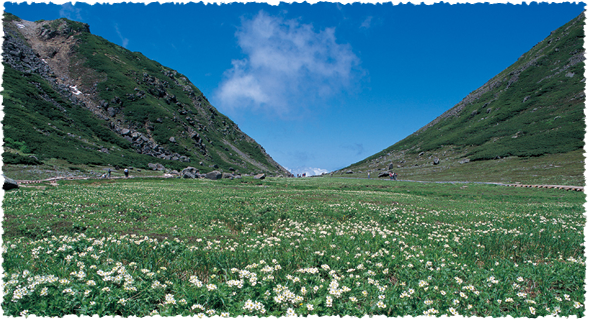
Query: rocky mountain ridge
[(152, 113)]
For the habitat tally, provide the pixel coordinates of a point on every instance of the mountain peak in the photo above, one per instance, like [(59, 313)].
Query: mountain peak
[(91, 101)]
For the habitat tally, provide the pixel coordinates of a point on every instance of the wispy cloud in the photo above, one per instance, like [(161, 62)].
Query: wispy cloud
[(124, 41), (356, 147), (367, 23), (70, 11), (288, 67)]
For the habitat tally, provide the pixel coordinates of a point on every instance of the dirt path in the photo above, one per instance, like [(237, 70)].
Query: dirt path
[(55, 179), (543, 186)]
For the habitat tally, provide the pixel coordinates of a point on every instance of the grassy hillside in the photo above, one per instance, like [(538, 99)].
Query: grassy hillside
[(533, 108), (101, 104)]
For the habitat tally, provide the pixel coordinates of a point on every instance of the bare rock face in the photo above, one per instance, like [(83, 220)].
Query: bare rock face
[(9, 184), (213, 175), (260, 176)]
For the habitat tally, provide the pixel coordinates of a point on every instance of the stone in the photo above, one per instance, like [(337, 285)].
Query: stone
[(436, 161), (383, 174), (227, 175), (391, 166), (189, 173), (349, 172), (9, 184), (260, 176), (172, 139), (213, 175), (112, 111)]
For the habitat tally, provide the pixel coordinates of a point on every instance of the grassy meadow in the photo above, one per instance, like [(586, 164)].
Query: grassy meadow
[(284, 247)]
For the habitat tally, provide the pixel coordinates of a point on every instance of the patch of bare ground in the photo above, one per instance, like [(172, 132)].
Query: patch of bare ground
[(58, 52)]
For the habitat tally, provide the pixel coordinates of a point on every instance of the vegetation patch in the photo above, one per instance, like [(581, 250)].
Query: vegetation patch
[(325, 246)]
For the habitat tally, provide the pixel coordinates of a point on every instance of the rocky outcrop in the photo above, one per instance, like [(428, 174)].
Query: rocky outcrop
[(260, 176), (9, 184), (213, 175), (227, 176), (189, 173), (156, 167)]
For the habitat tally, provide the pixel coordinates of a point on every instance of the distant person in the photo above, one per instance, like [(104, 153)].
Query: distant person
[(368, 175), (390, 175), (109, 173), (126, 171), (395, 176)]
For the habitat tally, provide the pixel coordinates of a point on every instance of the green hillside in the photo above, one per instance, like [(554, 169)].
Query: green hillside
[(72, 96), (533, 109)]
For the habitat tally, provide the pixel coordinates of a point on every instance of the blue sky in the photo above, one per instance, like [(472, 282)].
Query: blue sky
[(322, 86)]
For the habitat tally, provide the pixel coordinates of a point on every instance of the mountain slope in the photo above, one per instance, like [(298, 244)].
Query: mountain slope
[(534, 108), (74, 96)]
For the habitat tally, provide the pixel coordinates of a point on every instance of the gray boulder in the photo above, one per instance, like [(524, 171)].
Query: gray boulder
[(383, 174), (156, 167), (260, 176), (213, 175), (189, 173), (436, 161), (9, 184), (227, 175)]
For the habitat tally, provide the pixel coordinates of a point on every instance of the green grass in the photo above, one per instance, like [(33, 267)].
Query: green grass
[(553, 169), (276, 247)]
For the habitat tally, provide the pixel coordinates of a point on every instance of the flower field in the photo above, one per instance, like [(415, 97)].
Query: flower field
[(285, 247)]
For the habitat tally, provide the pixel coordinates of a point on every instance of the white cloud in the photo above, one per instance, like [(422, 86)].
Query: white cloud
[(309, 171), (70, 11), (124, 41), (367, 23), (288, 67)]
